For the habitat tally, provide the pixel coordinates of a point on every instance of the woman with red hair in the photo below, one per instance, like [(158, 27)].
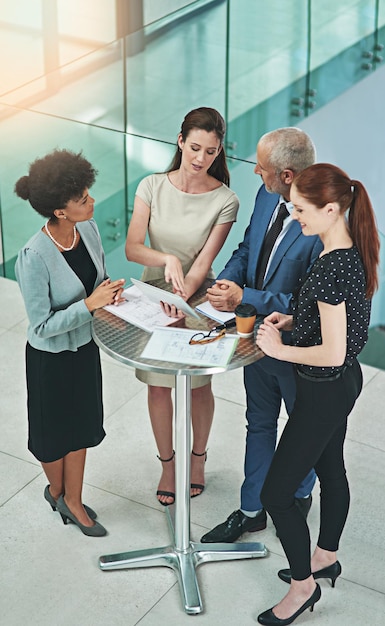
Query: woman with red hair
[(330, 320)]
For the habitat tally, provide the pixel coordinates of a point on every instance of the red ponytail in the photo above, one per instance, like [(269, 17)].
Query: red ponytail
[(322, 183)]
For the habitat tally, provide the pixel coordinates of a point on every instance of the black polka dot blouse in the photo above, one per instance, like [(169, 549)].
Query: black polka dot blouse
[(335, 277)]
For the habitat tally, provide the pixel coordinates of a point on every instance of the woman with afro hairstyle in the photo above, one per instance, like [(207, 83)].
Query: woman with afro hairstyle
[(62, 276)]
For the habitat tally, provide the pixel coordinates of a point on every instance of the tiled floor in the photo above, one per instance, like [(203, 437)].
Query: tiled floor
[(49, 572)]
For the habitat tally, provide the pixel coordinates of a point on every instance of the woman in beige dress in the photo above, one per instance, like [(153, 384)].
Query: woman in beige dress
[(188, 212)]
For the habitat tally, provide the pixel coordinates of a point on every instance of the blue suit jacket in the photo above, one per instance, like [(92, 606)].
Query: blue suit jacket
[(292, 259)]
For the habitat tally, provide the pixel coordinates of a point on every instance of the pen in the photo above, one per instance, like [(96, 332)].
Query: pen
[(229, 324)]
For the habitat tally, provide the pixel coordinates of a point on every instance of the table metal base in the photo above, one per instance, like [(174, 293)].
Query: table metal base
[(183, 562), (183, 556)]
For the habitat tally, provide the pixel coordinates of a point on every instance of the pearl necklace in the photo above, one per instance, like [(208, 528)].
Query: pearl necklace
[(56, 242)]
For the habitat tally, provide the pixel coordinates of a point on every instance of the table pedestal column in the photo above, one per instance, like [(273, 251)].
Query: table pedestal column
[(183, 556)]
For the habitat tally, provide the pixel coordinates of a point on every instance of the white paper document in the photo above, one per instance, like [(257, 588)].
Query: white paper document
[(140, 311), (172, 344), (156, 295), (219, 316)]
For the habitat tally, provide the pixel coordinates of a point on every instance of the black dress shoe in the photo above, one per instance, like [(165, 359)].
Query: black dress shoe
[(236, 524), (332, 572), (304, 505)]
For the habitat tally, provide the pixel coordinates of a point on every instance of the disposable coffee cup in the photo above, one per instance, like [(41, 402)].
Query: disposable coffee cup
[(245, 316)]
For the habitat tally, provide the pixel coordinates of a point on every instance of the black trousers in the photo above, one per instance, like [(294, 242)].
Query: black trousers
[(313, 437)]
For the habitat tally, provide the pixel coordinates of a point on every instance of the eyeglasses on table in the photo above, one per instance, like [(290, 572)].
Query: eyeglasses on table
[(202, 338)]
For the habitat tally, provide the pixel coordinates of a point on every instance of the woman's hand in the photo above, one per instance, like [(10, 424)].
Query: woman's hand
[(269, 338), (173, 272), (171, 310), (108, 292), (269, 335), (280, 320)]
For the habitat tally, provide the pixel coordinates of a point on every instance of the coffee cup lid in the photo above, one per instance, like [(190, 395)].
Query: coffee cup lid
[(245, 310)]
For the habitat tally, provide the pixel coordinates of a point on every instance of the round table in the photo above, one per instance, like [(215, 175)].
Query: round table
[(126, 342)]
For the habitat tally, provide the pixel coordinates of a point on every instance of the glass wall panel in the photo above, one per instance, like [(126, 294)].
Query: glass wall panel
[(144, 156), (154, 10), (182, 66), (374, 351), (21, 41), (267, 59), (267, 50), (381, 13), (336, 26), (105, 150), (84, 26), (245, 184), (89, 90), (342, 47), (380, 40), (42, 35), (378, 307)]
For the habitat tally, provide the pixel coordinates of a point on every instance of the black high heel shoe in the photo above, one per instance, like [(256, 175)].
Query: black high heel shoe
[(51, 500), (332, 572), (168, 494), (97, 530), (269, 619), (197, 485)]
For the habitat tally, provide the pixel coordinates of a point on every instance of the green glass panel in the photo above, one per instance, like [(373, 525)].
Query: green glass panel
[(41, 36), (20, 31), (339, 73), (378, 304), (268, 50), (267, 68), (103, 148), (83, 27), (374, 351), (88, 90), (337, 26), (342, 47), (154, 11), (380, 40), (182, 66), (381, 13), (245, 184), (144, 156), (284, 108)]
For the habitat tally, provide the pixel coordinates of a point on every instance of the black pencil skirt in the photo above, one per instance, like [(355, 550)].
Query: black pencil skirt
[(65, 409)]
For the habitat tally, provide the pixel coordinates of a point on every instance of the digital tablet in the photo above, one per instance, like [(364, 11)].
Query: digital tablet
[(157, 295)]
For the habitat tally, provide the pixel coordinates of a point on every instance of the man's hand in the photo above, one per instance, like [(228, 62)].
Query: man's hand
[(225, 295)]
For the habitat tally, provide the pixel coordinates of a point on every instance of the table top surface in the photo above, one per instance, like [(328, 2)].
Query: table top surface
[(125, 342)]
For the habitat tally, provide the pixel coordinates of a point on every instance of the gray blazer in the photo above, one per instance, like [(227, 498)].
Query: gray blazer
[(53, 294)]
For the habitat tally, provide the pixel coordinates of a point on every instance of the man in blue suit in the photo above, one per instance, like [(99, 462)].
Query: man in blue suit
[(281, 154)]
